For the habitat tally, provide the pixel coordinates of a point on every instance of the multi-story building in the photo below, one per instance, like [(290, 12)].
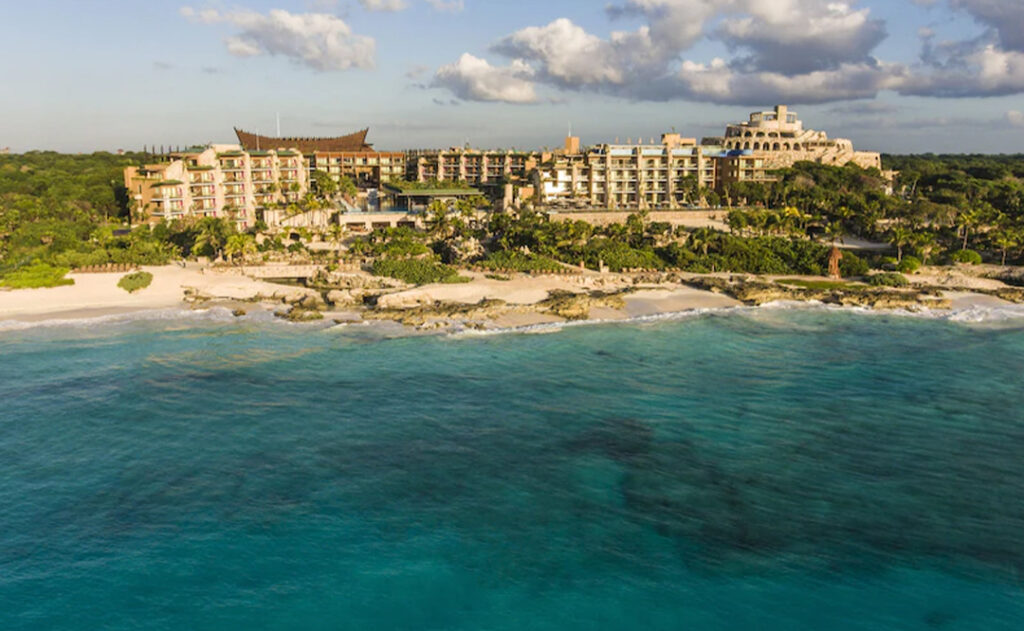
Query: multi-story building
[(776, 140), (474, 166), (217, 181), (342, 156), (631, 176), (367, 169), (259, 173), (672, 173)]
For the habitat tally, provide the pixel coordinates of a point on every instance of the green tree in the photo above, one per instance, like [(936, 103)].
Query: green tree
[(211, 236), (324, 185), (1006, 239), (900, 237), (240, 247), (438, 219)]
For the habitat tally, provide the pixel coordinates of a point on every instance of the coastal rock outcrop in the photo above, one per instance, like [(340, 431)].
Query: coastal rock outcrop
[(572, 306), (756, 292)]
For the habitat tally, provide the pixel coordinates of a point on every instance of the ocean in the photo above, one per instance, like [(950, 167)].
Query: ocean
[(771, 469)]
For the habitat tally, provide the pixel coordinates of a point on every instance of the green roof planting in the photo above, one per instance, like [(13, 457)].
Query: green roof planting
[(432, 192)]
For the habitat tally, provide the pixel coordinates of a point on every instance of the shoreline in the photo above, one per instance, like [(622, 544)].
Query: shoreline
[(483, 304)]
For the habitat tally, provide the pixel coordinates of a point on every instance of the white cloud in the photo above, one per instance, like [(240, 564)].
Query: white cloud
[(567, 54), (719, 83), (797, 51), (384, 5), (318, 40), (1015, 118), (988, 71), (474, 79), (802, 51), (794, 36)]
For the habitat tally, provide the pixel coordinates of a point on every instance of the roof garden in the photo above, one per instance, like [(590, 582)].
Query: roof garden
[(432, 189)]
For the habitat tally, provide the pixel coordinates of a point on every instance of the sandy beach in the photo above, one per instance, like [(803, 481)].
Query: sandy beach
[(95, 295)]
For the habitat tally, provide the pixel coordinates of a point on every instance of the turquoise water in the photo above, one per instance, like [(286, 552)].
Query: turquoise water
[(767, 469)]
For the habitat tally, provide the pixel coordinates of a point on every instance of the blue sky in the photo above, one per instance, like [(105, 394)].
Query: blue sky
[(893, 75)]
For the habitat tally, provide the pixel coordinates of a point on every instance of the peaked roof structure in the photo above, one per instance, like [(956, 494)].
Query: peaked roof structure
[(351, 142)]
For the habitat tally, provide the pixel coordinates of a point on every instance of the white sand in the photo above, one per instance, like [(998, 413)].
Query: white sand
[(519, 290), (656, 301), (98, 294)]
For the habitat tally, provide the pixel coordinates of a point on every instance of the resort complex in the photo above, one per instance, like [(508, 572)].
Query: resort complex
[(261, 174), (218, 181)]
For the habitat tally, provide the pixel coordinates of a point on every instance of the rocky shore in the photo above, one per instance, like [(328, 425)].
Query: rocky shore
[(483, 303), (513, 300)]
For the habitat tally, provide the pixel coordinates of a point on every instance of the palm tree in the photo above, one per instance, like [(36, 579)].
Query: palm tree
[(1006, 239), (438, 220), (900, 237), (243, 245), (925, 244), (337, 232), (964, 222), (701, 239), (212, 234)]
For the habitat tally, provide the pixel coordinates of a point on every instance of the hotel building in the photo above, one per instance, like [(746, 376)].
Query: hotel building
[(779, 140), (652, 176), (217, 181), (667, 175), (473, 166), (342, 156), (242, 180)]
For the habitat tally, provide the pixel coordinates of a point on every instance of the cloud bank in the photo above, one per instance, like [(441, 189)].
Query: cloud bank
[(795, 51), (319, 41)]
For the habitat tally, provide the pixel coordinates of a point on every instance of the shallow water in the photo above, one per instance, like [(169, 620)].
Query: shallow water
[(754, 469)]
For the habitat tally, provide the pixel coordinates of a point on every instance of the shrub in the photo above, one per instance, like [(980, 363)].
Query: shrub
[(909, 265), (136, 281), (392, 242), (519, 262), (619, 256), (417, 271), (853, 265), (35, 276), (967, 256), (888, 263), (889, 279)]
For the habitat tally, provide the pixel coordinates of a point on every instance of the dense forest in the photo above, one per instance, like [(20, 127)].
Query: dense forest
[(60, 211)]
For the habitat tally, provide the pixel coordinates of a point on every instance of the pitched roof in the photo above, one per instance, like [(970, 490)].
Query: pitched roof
[(351, 142)]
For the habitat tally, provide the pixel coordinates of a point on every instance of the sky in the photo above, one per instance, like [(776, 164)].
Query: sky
[(900, 76)]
